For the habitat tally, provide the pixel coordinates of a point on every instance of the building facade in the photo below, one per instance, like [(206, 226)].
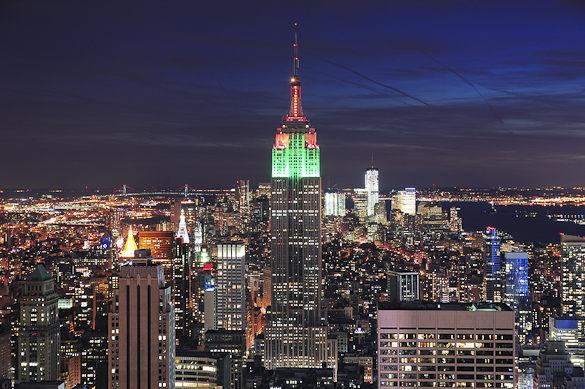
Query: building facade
[(39, 335), (493, 287), (403, 286), (295, 335), (160, 244), (230, 286), (141, 327), (372, 187), (445, 345), (405, 201), (572, 276)]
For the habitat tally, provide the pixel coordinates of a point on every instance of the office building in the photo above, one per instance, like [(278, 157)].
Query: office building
[(296, 334), (403, 286), (230, 286), (160, 244), (181, 271), (197, 369), (243, 193), (445, 345), (141, 327), (334, 204), (493, 288), (360, 204), (405, 201), (568, 331), (372, 189), (555, 370), (39, 338), (516, 294), (572, 276)]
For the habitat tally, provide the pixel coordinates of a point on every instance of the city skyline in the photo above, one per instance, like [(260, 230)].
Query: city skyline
[(438, 93), (262, 264)]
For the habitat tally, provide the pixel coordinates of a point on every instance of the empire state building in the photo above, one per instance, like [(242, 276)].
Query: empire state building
[(296, 334)]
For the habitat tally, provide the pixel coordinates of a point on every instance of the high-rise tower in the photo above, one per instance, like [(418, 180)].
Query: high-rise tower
[(572, 275), (372, 187), (141, 322), (492, 276), (39, 336), (296, 336)]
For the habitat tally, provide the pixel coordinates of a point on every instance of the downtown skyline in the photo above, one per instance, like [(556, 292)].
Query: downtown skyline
[(450, 95)]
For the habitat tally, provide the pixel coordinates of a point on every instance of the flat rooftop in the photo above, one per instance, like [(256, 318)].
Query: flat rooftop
[(434, 306)]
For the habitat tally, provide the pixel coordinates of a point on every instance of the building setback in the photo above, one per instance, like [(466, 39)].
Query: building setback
[(296, 334)]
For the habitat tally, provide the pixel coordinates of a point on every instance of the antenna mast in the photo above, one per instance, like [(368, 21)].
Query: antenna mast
[(296, 59)]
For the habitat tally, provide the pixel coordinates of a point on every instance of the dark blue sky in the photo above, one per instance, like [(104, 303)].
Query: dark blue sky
[(158, 94)]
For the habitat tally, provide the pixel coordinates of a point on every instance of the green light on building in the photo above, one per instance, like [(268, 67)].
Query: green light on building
[(297, 159)]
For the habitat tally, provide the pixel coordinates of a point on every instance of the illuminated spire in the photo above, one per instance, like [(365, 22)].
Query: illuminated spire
[(295, 112), (182, 232), (130, 245)]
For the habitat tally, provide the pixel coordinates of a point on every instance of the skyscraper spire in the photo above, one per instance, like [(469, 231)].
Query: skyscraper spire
[(130, 246), (295, 112), (296, 59), (182, 231)]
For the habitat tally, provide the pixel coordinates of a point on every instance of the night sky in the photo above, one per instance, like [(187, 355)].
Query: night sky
[(159, 94)]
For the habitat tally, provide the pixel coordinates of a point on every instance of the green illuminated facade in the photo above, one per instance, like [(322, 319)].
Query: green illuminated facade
[(296, 156)]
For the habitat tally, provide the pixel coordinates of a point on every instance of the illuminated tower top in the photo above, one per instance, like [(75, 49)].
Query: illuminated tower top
[(295, 153), (295, 113), (130, 246), (182, 231)]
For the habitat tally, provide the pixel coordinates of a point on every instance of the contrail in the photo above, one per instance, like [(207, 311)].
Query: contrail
[(399, 91), (471, 84), (366, 87)]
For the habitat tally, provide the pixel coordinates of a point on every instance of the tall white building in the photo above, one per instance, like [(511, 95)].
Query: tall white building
[(334, 204), (372, 187), (445, 345), (405, 201), (182, 231), (231, 297)]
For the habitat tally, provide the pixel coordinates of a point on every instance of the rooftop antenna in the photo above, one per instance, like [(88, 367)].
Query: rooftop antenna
[(296, 59)]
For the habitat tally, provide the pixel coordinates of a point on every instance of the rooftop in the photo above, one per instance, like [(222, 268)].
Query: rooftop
[(39, 274), (434, 306)]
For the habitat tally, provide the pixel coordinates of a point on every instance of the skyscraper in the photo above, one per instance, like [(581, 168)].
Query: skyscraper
[(39, 336), (572, 275), (182, 230), (405, 201), (372, 187), (182, 263), (334, 204), (492, 272), (141, 326), (231, 293), (243, 192), (295, 336), (516, 292)]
